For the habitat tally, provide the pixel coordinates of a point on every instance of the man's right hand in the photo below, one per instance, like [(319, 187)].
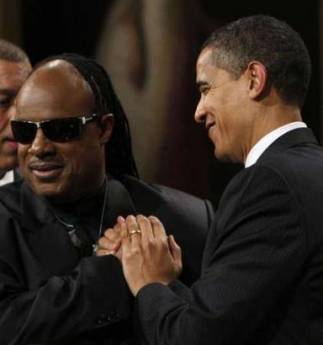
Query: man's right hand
[(110, 242)]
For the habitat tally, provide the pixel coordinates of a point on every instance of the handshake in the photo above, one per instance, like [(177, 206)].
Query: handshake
[(148, 255)]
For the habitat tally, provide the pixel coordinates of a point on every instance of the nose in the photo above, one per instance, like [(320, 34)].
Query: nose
[(200, 113), (41, 146)]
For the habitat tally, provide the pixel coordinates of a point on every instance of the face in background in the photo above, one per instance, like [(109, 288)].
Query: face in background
[(65, 171), (12, 76), (224, 109)]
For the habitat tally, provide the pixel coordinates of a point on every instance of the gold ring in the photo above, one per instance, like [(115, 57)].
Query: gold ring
[(134, 231)]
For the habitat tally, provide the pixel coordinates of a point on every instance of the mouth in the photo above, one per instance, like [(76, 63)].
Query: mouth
[(46, 171)]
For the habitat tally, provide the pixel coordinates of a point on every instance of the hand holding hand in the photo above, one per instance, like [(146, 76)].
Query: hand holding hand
[(110, 242), (148, 254)]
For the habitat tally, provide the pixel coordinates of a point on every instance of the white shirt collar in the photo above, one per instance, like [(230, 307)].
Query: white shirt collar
[(7, 178), (259, 148)]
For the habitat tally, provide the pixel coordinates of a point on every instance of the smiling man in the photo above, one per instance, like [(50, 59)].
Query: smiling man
[(14, 69), (262, 272), (79, 173)]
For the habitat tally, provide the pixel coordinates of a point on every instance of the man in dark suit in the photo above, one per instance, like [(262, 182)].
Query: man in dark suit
[(14, 69), (79, 174), (262, 274)]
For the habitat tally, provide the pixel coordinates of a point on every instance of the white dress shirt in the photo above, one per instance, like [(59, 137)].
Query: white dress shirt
[(259, 148), (7, 178)]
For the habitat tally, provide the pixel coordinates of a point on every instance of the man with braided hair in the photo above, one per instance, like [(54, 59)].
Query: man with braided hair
[(79, 174)]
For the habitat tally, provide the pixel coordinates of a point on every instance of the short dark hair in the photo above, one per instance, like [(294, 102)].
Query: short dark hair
[(273, 43), (119, 156), (11, 52)]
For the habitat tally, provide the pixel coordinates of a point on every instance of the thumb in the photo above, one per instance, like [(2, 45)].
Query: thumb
[(176, 251)]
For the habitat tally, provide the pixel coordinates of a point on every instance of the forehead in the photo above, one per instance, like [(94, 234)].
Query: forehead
[(12, 75), (54, 90), (206, 69)]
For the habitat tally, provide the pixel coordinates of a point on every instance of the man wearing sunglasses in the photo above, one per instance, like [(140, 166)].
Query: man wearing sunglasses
[(14, 69), (79, 174)]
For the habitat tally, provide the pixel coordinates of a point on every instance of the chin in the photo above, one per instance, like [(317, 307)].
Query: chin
[(223, 157), (49, 190)]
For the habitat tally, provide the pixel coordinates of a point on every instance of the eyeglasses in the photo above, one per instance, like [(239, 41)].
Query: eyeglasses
[(57, 130)]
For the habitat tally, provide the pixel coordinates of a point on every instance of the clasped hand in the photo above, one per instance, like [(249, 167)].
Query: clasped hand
[(147, 254)]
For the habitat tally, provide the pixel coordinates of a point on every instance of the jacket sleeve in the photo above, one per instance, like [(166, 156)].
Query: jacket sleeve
[(253, 257), (57, 307)]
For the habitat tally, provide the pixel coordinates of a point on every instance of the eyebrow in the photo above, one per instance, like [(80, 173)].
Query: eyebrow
[(201, 83)]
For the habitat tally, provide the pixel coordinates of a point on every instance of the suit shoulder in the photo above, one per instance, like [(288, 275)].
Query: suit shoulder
[(10, 195), (285, 161), (155, 196)]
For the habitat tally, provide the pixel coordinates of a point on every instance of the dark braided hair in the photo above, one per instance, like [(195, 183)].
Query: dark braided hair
[(118, 151)]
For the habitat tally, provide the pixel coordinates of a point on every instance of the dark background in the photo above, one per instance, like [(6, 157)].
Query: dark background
[(51, 27)]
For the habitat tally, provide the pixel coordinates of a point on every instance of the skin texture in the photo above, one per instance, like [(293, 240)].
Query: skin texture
[(236, 112), (62, 172), (222, 101), (12, 76), (145, 246)]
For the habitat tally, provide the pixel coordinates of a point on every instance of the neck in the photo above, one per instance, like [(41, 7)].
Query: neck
[(269, 119)]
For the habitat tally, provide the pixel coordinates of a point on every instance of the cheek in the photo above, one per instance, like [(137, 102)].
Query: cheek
[(82, 161), (21, 153), (4, 122)]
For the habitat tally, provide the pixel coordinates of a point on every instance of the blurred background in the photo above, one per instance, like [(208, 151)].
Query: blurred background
[(149, 48)]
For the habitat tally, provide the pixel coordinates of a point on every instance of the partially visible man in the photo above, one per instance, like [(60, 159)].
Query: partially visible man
[(14, 69), (79, 173), (262, 274)]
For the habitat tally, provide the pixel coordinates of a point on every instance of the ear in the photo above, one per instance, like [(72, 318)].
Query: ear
[(106, 125), (258, 77)]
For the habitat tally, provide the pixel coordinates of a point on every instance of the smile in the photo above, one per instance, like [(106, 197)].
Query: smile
[(46, 171)]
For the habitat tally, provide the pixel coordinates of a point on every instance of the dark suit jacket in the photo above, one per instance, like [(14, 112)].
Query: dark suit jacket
[(262, 275), (49, 295)]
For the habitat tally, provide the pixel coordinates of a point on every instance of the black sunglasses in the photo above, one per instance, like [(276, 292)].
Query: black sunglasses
[(58, 130)]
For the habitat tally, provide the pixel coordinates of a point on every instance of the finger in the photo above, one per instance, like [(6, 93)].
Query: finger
[(126, 249), (104, 252), (117, 229), (106, 244), (120, 219), (116, 233), (123, 226), (175, 249), (158, 228), (133, 231), (113, 234), (147, 235)]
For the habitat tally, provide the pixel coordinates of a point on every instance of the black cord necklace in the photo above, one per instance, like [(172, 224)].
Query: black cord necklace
[(78, 237)]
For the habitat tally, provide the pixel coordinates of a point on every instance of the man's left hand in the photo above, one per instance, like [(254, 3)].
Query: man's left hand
[(148, 254)]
